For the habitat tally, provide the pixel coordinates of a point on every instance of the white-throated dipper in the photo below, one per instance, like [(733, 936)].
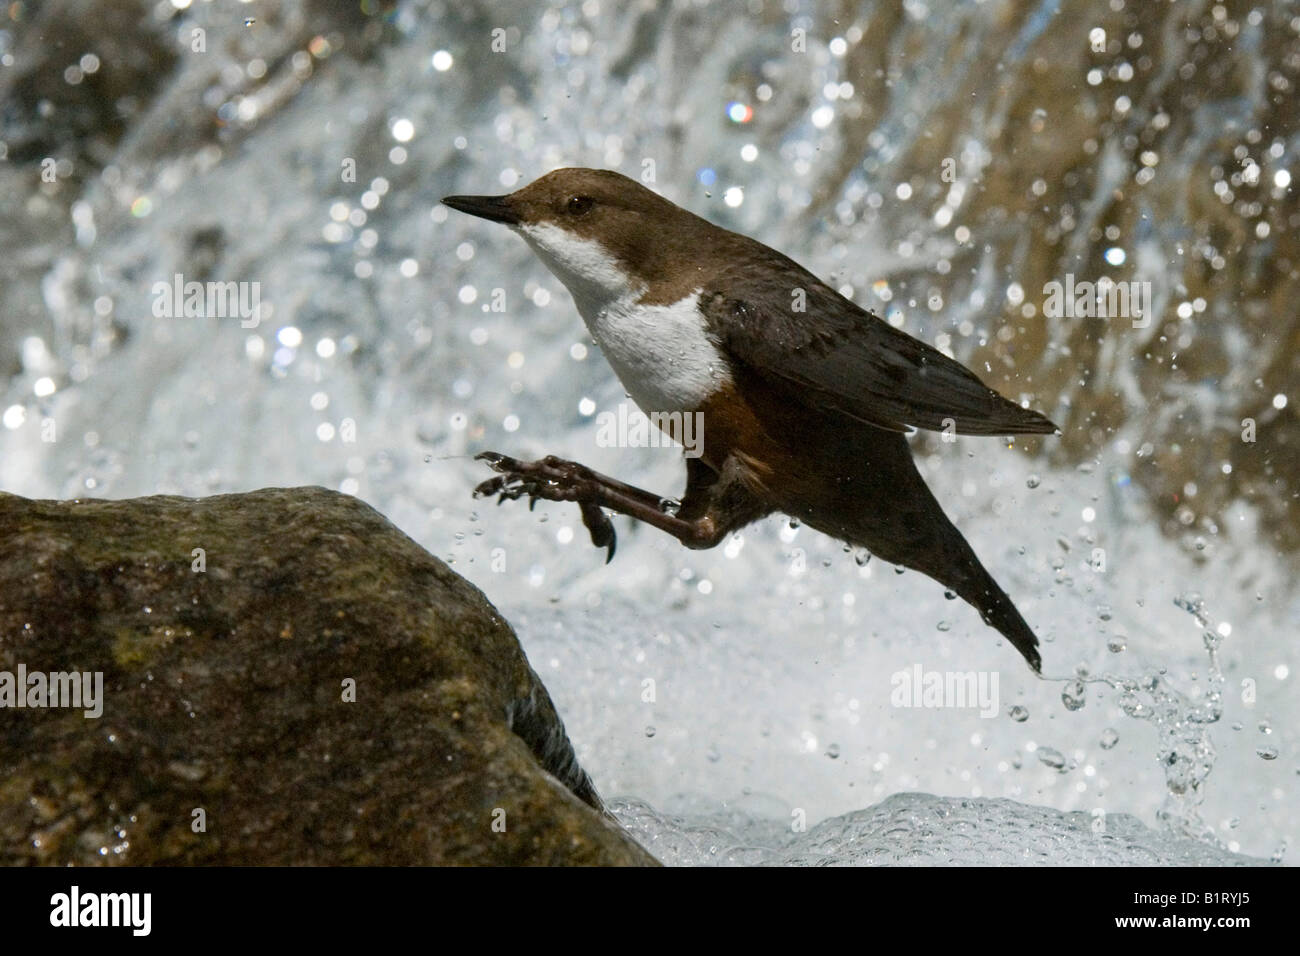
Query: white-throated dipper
[(805, 396)]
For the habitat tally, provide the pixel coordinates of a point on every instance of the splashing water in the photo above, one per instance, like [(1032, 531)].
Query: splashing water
[(1184, 749)]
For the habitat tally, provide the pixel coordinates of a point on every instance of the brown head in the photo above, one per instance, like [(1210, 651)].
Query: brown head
[(598, 231)]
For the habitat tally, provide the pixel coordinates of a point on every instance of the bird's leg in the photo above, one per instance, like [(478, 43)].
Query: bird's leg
[(555, 479)]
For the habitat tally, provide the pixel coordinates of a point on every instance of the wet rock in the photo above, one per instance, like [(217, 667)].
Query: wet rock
[(287, 679)]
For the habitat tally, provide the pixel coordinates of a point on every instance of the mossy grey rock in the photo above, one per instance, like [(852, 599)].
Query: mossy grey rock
[(226, 675)]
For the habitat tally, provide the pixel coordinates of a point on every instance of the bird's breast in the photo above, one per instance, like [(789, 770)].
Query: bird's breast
[(661, 353)]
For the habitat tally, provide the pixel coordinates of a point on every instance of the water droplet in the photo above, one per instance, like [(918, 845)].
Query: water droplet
[(1194, 605), (1051, 757), (1109, 738), (650, 731), (833, 751), (1130, 704), (861, 556), (1018, 713), (1267, 753), (899, 569), (944, 626), (950, 595), (1033, 481), (1074, 696), (1117, 645)]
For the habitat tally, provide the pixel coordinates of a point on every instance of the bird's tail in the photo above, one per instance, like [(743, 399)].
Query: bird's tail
[(949, 559), (978, 589), (918, 535), (941, 553), (888, 509)]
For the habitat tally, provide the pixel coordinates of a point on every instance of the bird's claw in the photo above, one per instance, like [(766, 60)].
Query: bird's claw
[(514, 481), (505, 487), (600, 528), (553, 479)]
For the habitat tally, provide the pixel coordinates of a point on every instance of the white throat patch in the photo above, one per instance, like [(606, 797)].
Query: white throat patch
[(592, 276), (660, 353)]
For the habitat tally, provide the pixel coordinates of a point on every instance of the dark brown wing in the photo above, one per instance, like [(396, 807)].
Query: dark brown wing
[(834, 354)]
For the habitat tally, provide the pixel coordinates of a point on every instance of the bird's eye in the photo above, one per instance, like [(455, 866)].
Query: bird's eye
[(579, 205)]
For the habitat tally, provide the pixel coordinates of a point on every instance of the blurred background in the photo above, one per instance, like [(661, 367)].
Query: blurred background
[(940, 164)]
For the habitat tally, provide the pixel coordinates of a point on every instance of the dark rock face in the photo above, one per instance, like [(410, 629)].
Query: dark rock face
[(229, 631)]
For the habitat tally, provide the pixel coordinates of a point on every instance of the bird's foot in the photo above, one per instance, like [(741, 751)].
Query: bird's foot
[(551, 479)]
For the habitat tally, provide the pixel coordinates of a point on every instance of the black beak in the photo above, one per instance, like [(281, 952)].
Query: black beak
[(495, 208)]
